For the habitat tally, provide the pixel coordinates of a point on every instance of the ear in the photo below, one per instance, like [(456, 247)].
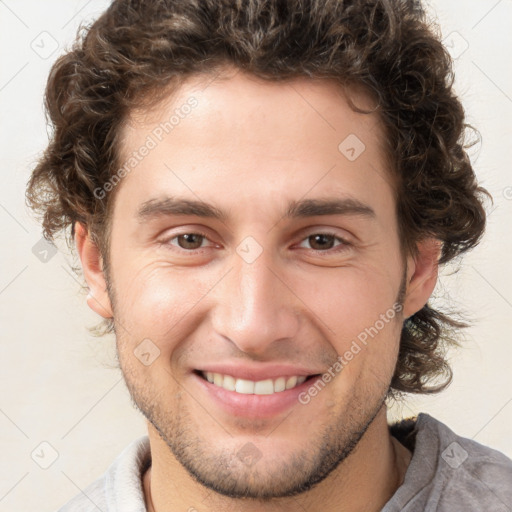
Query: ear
[(422, 273), (92, 265)]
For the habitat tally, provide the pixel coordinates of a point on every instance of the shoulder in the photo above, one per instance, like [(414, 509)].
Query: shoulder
[(449, 472), (120, 487), (471, 473)]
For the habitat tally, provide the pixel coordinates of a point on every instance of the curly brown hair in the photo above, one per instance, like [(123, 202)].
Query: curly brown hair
[(139, 49)]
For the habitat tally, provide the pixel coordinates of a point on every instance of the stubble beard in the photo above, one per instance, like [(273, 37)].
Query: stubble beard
[(220, 470)]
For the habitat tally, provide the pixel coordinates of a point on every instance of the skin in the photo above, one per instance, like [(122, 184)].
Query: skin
[(249, 147)]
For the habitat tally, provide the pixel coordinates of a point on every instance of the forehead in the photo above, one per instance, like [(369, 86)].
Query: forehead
[(232, 95), (240, 134)]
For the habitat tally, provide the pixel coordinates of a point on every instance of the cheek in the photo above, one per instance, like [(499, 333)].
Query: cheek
[(157, 310), (349, 300), (361, 319), (158, 301)]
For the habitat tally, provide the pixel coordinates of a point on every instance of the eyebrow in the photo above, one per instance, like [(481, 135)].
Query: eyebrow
[(168, 206)]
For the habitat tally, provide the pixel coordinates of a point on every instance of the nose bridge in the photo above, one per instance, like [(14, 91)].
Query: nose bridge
[(254, 307)]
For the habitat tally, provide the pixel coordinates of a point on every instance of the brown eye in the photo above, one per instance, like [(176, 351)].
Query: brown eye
[(325, 242), (189, 241), (321, 241)]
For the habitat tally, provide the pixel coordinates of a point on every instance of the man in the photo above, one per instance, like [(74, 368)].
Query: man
[(261, 194)]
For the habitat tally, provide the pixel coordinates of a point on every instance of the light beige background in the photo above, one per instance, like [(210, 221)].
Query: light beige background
[(57, 386)]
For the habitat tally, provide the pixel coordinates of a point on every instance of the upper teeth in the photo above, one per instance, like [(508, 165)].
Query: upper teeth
[(250, 387)]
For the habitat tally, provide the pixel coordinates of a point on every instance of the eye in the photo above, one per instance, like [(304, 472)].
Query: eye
[(188, 241), (324, 242), (319, 242)]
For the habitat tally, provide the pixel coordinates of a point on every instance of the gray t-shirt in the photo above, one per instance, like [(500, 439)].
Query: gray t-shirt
[(447, 473)]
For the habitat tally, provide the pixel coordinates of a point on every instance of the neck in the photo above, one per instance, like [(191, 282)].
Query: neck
[(364, 481)]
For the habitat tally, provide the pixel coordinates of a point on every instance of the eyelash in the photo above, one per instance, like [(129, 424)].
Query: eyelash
[(343, 245)]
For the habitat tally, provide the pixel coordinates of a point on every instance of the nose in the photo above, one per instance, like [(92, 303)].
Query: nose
[(255, 307)]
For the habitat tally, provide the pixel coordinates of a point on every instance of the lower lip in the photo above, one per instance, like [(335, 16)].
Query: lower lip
[(253, 406)]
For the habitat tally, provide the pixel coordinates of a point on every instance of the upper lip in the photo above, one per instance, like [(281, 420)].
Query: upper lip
[(257, 373)]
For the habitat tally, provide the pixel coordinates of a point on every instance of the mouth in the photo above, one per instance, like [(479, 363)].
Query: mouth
[(251, 387)]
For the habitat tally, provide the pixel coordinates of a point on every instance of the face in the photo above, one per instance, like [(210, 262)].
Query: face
[(255, 244)]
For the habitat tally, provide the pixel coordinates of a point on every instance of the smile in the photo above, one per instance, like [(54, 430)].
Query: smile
[(250, 387)]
